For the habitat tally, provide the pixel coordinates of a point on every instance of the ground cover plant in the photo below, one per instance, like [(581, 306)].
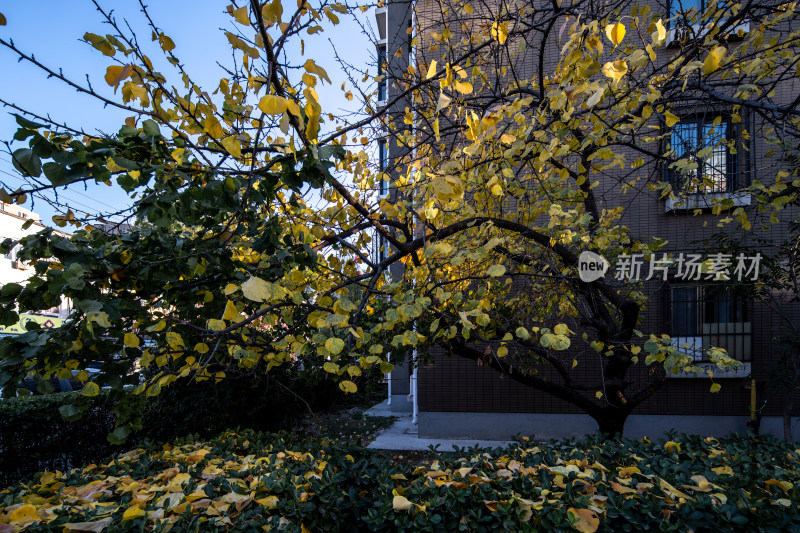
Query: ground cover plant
[(251, 481)]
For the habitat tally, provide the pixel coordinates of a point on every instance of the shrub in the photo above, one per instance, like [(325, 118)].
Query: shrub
[(34, 436), (252, 481)]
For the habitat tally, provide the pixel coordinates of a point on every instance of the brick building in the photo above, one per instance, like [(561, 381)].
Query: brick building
[(455, 397)]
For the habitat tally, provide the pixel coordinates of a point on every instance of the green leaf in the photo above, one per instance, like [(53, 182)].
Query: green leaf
[(496, 271), (119, 435), (27, 162), (70, 412)]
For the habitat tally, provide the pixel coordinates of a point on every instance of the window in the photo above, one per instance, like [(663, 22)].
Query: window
[(704, 141), (382, 72), (683, 7), (705, 317), (383, 162), (382, 249)]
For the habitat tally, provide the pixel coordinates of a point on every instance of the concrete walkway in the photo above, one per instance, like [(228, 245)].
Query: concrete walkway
[(402, 435)]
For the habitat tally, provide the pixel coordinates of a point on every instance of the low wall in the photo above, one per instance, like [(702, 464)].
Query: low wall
[(503, 426)]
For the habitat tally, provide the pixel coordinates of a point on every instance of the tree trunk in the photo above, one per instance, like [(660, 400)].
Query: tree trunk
[(611, 421)]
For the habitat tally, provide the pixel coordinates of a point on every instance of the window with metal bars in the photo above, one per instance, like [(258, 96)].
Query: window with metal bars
[(706, 317), (702, 140)]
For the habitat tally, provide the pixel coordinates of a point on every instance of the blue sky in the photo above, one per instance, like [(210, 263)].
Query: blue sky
[(52, 30)]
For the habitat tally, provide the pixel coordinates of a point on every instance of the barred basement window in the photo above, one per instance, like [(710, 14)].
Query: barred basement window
[(706, 317)]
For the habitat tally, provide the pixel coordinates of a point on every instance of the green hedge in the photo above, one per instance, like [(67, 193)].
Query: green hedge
[(255, 482), (34, 436)]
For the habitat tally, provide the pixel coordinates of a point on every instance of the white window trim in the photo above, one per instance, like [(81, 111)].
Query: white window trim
[(705, 200)]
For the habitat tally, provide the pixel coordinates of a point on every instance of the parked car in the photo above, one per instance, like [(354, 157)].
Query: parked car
[(62, 385)]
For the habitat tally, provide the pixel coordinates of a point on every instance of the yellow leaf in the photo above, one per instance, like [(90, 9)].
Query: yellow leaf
[(2, 20), (331, 368), (230, 288), (100, 43), (785, 486), (598, 395), (670, 119), (212, 126), (723, 470), (272, 11), (133, 512), (201, 348), (615, 33), (443, 102), (574, 363), (273, 105), (401, 503), (500, 32), (90, 390), (713, 59), (88, 527), (502, 351), (115, 74), (304, 529), (23, 515), (660, 35), (348, 386), (131, 340), (672, 445), (436, 129), (174, 340), (464, 87), (334, 345), (431, 70), (100, 318), (240, 15), (587, 520), (258, 290), (230, 312), (232, 146), (216, 325), (715, 387), (615, 69), (270, 502), (313, 68)]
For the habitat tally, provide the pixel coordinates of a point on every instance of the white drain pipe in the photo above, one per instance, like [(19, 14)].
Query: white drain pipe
[(415, 405), (389, 379)]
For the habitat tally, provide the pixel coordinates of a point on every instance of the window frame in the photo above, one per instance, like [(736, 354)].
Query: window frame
[(702, 122), (383, 55), (739, 310)]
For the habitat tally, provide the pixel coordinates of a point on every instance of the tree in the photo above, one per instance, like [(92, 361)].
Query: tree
[(500, 183)]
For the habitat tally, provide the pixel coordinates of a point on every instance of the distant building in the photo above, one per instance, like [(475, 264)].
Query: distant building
[(13, 270)]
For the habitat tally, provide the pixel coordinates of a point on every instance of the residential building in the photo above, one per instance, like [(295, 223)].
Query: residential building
[(17, 222), (458, 399)]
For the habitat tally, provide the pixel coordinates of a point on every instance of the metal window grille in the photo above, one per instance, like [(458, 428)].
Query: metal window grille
[(705, 140), (706, 317)]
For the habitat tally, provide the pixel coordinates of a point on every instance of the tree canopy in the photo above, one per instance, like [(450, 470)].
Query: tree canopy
[(254, 210)]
